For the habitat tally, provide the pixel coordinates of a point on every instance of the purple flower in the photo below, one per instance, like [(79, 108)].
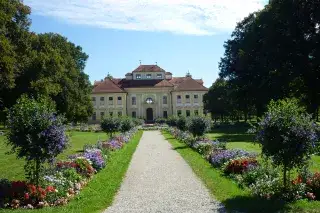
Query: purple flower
[(219, 158)]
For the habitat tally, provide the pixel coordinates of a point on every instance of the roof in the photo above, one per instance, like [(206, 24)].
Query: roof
[(144, 83), (107, 86), (189, 84), (118, 85), (149, 68)]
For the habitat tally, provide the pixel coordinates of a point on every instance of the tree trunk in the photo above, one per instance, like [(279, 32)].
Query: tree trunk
[(285, 177), (245, 117)]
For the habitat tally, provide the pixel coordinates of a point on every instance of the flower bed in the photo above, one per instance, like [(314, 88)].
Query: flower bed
[(62, 180), (260, 178)]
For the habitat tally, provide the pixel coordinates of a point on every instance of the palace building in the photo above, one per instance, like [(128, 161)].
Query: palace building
[(148, 92)]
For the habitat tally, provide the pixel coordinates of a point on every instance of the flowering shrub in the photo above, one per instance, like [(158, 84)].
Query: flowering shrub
[(217, 159), (287, 135), (266, 187), (313, 184), (35, 134), (126, 124), (96, 157), (240, 165)]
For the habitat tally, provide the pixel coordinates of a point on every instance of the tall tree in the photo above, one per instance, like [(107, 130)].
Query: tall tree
[(274, 53)]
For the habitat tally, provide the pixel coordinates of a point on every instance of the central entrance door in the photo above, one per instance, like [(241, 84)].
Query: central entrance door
[(149, 114)]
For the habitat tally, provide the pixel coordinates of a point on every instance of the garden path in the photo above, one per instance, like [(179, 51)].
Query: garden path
[(159, 180)]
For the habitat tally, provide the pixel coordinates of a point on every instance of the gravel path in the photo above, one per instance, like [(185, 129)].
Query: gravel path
[(159, 180)]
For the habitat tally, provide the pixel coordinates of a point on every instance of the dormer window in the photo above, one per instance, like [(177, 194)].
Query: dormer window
[(148, 76), (159, 75), (138, 76)]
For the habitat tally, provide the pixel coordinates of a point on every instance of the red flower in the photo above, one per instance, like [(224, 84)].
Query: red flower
[(50, 189), (26, 196)]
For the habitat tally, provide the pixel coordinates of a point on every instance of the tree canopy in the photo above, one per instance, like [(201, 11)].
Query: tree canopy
[(41, 64), (275, 53)]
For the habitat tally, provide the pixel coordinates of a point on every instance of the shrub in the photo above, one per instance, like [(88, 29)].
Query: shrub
[(137, 121), (266, 186), (96, 157), (110, 125), (241, 165), (287, 135), (35, 134), (198, 126), (161, 121), (252, 175), (172, 121), (313, 184), (182, 123), (126, 124), (217, 159)]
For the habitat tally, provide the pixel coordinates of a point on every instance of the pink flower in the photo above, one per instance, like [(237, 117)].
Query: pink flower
[(311, 196)]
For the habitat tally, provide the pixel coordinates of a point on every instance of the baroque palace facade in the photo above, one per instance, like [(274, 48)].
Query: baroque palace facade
[(148, 92)]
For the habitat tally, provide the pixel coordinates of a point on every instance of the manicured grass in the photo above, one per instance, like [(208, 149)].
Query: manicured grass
[(227, 191), (12, 168), (100, 191)]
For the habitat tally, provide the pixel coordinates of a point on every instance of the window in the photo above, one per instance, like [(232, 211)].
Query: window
[(196, 112), (148, 76), (101, 100), (149, 100), (134, 114), (159, 75), (111, 114), (179, 112), (93, 100), (119, 100), (134, 101), (196, 99), (165, 114), (119, 114), (94, 116), (188, 99), (179, 99), (165, 100), (110, 100), (138, 76), (188, 113), (101, 115)]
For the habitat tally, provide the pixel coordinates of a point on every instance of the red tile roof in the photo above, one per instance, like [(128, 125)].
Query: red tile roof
[(107, 86), (149, 68), (116, 85), (189, 84)]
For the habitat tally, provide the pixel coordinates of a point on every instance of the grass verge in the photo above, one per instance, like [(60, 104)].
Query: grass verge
[(100, 191), (227, 191)]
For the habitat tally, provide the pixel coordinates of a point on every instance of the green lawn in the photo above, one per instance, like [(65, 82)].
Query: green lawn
[(227, 191), (12, 168), (237, 137), (100, 191)]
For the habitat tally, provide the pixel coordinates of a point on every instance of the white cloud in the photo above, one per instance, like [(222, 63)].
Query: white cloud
[(196, 17)]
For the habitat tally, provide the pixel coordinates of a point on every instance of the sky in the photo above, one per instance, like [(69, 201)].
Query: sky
[(178, 35)]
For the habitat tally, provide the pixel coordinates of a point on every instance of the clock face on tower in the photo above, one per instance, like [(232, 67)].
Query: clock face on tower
[(149, 100)]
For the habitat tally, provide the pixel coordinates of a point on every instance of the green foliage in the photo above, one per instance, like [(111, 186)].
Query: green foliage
[(41, 64), (198, 125), (110, 125), (287, 136), (172, 121), (161, 120), (126, 124), (182, 123), (262, 58), (137, 121), (35, 134)]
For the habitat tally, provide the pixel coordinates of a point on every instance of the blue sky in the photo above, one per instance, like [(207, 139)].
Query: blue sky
[(179, 35)]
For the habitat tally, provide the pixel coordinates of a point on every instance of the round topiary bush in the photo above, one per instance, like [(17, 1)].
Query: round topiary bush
[(172, 121), (287, 135), (197, 126), (182, 123), (36, 134), (126, 124), (110, 125)]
